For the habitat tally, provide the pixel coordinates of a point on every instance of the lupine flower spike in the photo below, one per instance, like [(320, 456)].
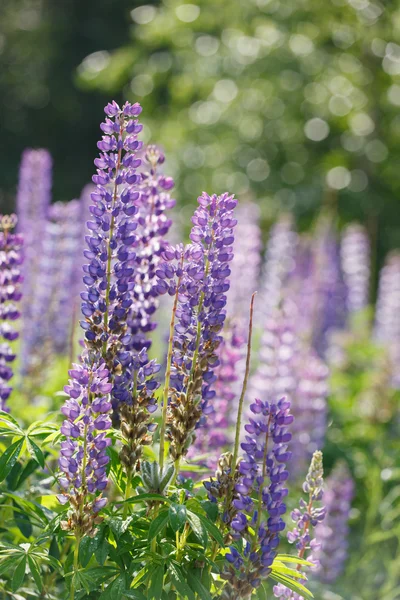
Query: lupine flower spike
[(10, 293), (306, 518), (258, 522), (200, 313)]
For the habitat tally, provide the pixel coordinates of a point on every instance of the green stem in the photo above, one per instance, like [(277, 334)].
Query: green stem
[(128, 489), (245, 380), (76, 566), (168, 375)]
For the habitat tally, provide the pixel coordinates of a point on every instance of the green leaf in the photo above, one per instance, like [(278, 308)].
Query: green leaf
[(35, 572), (156, 583), (115, 590), (198, 529), (198, 587), (293, 585), (22, 521), (19, 574), (211, 528), (35, 451), (211, 508), (9, 458), (180, 582), (177, 516), (135, 594), (288, 558), (29, 468), (158, 525)]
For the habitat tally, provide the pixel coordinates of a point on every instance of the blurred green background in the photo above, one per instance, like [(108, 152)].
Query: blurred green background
[(292, 103)]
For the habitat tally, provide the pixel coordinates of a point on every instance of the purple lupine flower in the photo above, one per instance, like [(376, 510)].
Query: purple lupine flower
[(105, 307), (109, 275), (153, 225), (333, 532), (246, 262), (309, 407), (275, 374), (387, 323), (260, 502), (200, 314), (83, 456), (33, 201), (67, 216), (10, 293), (306, 518), (279, 263), (355, 258)]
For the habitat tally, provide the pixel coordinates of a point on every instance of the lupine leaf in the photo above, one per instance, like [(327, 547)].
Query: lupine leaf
[(211, 528), (9, 458), (293, 559), (35, 452), (156, 583), (158, 524), (35, 572), (198, 587), (198, 529), (177, 516), (19, 574), (180, 582), (146, 498)]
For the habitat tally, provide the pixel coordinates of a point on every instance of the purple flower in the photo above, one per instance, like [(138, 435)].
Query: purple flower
[(333, 532), (33, 201), (387, 323), (203, 283), (260, 501), (153, 226), (355, 259), (10, 293), (83, 455), (306, 518)]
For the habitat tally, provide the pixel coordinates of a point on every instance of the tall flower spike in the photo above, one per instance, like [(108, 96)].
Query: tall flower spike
[(306, 518), (333, 532), (259, 522), (200, 312), (68, 252), (355, 259), (33, 201), (153, 226), (387, 323), (10, 293), (109, 275), (105, 307)]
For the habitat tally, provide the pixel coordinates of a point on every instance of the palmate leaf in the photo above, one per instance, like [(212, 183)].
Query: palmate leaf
[(156, 583), (180, 582), (177, 516), (288, 558), (146, 498), (210, 527), (158, 524)]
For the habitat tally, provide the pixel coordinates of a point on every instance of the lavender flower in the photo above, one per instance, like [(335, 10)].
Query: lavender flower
[(333, 532), (153, 225), (200, 312), (306, 517), (355, 258), (263, 476), (387, 323), (106, 303), (10, 293), (67, 255), (33, 201), (83, 458)]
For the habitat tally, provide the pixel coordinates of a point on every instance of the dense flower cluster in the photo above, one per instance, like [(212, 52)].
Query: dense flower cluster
[(306, 518), (333, 532), (263, 476), (153, 225), (83, 458), (10, 293), (202, 285)]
